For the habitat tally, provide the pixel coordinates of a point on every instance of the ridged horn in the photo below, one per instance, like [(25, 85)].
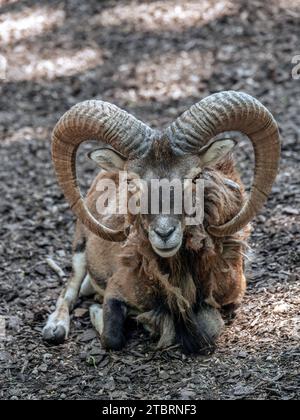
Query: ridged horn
[(233, 111), (94, 120)]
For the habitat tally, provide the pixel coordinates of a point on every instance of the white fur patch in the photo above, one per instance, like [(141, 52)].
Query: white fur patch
[(96, 314), (70, 295), (167, 338), (87, 288), (79, 270), (79, 264)]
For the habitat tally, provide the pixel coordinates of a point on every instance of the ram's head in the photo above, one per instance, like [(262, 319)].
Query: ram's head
[(181, 152)]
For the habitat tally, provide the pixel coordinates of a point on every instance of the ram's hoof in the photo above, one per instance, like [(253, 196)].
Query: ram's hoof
[(56, 331), (210, 323), (113, 342)]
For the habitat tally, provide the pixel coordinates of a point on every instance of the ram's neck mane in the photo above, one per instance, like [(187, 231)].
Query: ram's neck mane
[(177, 278)]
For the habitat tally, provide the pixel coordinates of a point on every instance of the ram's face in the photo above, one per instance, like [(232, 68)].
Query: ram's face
[(163, 179), (165, 187)]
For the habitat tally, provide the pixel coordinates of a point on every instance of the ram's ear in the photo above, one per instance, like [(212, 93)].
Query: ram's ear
[(108, 159), (216, 151)]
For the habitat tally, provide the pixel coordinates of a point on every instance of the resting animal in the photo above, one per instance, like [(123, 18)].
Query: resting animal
[(176, 279)]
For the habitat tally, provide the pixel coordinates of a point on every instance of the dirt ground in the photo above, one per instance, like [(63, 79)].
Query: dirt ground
[(154, 58)]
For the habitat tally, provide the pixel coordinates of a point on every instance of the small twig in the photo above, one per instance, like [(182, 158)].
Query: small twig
[(170, 348), (292, 13), (24, 367), (55, 267)]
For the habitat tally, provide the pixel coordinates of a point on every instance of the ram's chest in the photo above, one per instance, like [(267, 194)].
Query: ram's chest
[(174, 290)]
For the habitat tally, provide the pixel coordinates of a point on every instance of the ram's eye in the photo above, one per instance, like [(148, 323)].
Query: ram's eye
[(197, 177)]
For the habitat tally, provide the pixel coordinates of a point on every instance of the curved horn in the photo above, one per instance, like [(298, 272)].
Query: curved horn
[(233, 111), (94, 120)]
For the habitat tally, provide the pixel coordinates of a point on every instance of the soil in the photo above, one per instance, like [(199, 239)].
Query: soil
[(153, 58)]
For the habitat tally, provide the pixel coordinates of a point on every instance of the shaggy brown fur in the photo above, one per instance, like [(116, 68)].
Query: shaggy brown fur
[(207, 270)]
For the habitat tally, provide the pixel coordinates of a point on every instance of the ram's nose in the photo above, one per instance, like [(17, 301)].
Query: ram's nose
[(166, 236), (165, 233)]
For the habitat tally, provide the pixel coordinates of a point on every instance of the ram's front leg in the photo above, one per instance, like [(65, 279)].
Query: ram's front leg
[(110, 319), (57, 328), (114, 316)]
